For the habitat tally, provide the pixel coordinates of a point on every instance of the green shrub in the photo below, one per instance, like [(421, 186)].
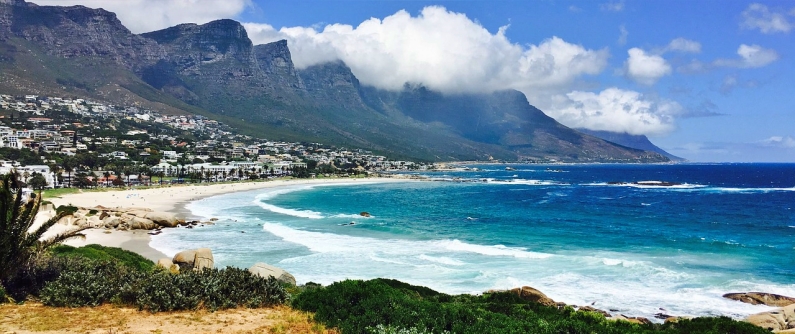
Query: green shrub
[(89, 284), (99, 282), (4, 298), (68, 209), (388, 306), (91, 212), (32, 277), (97, 252)]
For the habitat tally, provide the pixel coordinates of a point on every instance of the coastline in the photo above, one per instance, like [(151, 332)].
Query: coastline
[(172, 198)]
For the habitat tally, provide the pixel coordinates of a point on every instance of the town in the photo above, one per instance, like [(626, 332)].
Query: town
[(55, 142)]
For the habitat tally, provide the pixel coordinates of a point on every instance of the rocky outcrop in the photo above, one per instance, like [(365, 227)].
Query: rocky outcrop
[(194, 259), (122, 218), (203, 259), (761, 298), (782, 319), (265, 270), (533, 295), (184, 259)]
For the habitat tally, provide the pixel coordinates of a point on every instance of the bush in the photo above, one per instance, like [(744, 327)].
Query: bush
[(97, 252), (68, 209), (388, 306), (100, 282), (33, 276), (4, 298)]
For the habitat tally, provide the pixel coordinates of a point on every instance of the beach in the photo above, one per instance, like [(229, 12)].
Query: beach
[(171, 198)]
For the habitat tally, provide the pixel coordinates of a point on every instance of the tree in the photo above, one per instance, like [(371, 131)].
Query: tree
[(18, 243), (37, 181)]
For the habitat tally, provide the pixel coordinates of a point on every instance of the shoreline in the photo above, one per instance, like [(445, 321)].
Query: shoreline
[(173, 199)]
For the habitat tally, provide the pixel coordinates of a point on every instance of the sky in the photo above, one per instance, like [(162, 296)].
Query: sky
[(707, 80)]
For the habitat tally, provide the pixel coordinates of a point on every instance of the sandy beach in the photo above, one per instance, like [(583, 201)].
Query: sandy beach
[(171, 198)]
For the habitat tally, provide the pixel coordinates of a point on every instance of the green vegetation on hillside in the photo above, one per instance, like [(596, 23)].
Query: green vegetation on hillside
[(389, 306)]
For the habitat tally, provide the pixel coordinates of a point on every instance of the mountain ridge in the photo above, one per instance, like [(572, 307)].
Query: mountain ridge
[(214, 69)]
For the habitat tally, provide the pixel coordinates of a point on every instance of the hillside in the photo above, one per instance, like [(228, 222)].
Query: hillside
[(215, 70), (640, 142)]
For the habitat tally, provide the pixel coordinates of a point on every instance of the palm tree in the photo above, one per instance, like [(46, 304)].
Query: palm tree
[(18, 245)]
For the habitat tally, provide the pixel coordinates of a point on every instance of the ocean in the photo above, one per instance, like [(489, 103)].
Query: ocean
[(582, 234)]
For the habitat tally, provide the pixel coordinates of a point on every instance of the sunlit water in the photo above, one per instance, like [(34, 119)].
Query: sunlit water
[(565, 230)]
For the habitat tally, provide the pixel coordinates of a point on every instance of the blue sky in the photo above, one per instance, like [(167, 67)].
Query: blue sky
[(705, 80)]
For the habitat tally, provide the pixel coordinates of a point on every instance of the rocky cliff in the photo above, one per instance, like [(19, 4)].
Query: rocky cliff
[(214, 69)]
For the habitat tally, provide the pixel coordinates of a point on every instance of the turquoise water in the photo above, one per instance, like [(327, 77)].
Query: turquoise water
[(569, 231)]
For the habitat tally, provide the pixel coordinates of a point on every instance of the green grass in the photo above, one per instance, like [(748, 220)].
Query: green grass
[(58, 192), (97, 252)]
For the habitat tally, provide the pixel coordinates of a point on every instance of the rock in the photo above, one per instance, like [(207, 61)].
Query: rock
[(265, 270), (533, 295), (184, 259), (203, 259), (165, 263), (112, 221), (164, 219), (765, 320), (364, 214), (757, 298), (103, 215), (595, 310), (213, 219), (139, 223)]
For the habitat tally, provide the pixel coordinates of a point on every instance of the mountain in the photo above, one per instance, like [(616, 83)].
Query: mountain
[(215, 70), (640, 142)]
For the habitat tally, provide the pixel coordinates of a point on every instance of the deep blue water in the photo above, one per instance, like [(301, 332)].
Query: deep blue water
[(564, 229)]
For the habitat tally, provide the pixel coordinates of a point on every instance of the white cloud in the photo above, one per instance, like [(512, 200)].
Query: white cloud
[(616, 110), (622, 38), (443, 50), (645, 68), (759, 16), (684, 45), (149, 15), (779, 141), (751, 56), (613, 6)]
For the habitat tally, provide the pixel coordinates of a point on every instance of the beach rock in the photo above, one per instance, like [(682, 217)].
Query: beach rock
[(777, 320), (184, 259), (364, 214), (757, 298), (203, 259), (139, 223), (164, 219), (264, 270), (103, 215), (165, 263), (112, 221), (533, 295)]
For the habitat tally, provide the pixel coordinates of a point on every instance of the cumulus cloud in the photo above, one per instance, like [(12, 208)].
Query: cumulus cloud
[(759, 16), (617, 110), (684, 45), (443, 50), (751, 56), (645, 68), (148, 15)]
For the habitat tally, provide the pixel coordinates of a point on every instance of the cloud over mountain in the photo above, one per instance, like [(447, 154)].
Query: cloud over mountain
[(149, 15), (443, 50), (617, 110)]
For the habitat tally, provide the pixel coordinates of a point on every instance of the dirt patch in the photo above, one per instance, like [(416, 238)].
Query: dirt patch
[(39, 319)]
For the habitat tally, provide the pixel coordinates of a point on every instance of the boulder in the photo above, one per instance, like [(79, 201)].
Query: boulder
[(164, 219), (780, 319), (533, 295), (265, 270), (203, 259), (112, 221), (139, 223), (364, 214), (757, 298), (165, 263), (184, 259)]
